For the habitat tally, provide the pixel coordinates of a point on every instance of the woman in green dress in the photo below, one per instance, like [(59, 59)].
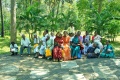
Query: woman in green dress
[(107, 51), (75, 46)]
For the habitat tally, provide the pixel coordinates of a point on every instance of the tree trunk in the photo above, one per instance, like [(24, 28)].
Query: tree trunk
[(13, 31), (2, 25), (100, 6)]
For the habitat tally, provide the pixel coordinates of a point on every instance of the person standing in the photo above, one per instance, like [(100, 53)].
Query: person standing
[(71, 29)]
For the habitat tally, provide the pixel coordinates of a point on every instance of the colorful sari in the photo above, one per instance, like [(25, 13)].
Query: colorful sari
[(75, 49), (66, 48), (57, 50), (106, 54)]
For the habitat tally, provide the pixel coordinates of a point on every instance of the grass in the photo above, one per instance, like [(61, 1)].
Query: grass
[(5, 43), (116, 48)]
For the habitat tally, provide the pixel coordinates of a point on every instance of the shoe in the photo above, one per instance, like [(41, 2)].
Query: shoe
[(60, 60), (16, 53), (12, 54), (54, 60), (36, 57)]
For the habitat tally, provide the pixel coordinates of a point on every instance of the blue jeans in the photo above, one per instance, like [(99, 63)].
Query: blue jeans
[(23, 47)]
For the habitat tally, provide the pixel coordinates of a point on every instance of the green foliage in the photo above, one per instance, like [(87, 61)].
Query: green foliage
[(102, 16), (48, 15), (36, 15)]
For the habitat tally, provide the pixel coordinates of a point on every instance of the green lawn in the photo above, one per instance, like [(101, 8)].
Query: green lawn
[(5, 42)]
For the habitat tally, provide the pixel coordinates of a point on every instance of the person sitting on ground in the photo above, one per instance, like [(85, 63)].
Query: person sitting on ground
[(93, 51), (49, 47), (36, 45), (108, 51), (25, 43), (86, 47), (97, 38), (13, 48)]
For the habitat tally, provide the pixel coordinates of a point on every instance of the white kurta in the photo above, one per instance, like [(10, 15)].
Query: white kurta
[(43, 46), (25, 42), (97, 37), (14, 48), (87, 38), (36, 41)]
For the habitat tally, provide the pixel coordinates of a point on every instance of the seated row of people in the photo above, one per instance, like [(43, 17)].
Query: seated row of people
[(66, 47)]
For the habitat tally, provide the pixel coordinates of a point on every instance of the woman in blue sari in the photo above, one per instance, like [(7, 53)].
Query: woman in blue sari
[(107, 51), (75, 46)]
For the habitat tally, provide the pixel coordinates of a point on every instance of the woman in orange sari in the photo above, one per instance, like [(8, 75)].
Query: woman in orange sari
[(66, 46)]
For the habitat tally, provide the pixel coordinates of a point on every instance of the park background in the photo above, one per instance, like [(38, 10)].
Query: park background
[(34, 16)]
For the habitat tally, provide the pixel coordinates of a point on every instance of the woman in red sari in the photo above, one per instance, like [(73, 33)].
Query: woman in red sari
[(66, 46), (57, 50)]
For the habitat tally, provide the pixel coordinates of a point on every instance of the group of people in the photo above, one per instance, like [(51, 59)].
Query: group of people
[(64, 46)]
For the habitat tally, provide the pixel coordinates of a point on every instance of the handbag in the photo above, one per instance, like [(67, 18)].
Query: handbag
[(35, 45), (81, 45), (48, 52)]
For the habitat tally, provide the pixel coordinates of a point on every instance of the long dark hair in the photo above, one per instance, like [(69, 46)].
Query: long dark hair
[(13, 43)]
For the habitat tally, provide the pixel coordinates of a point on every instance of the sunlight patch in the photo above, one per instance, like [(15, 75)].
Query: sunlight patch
[(69, 64), (74, 77), (38, 73), (117, 62), (104, 72), (4, 77), (9, 69)]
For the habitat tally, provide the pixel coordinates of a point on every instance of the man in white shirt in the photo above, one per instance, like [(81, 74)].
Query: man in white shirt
[(97, 37), (25, 43)]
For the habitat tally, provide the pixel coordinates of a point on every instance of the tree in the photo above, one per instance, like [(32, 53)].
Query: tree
[(2, 29), (13, 21)]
